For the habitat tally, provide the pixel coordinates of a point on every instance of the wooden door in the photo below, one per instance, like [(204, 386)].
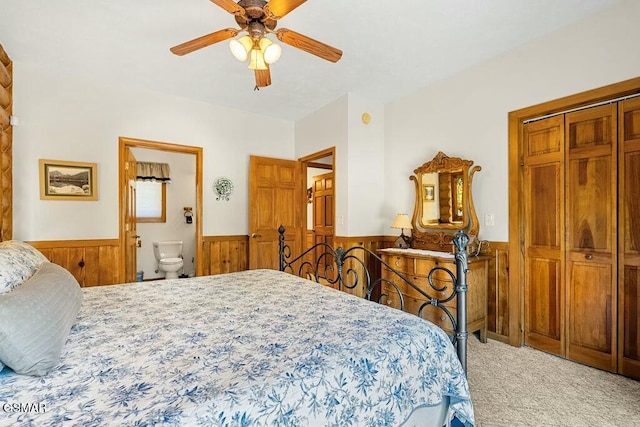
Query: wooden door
[(544, 234), (131, 237), (323, 211), (629, 238), (276, 197), (591, 222)]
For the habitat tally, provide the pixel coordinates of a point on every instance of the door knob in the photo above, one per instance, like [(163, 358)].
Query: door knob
[(589, 256), (255, 235)]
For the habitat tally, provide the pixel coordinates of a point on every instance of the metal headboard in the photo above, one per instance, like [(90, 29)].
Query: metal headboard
[(343, 269)]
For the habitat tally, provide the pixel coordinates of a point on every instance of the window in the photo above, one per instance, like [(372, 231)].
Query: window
[(151, 201)]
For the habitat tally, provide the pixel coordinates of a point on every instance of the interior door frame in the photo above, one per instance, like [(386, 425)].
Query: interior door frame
[(126, 142), (516, 186), (307, 161)]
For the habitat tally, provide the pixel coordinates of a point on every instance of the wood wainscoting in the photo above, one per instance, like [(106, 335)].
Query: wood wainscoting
[(498, 292), (373, 243), (224, 254), (92, 262), (96, 262)]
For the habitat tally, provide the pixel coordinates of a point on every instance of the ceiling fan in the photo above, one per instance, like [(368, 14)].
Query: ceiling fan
[(258, 18)]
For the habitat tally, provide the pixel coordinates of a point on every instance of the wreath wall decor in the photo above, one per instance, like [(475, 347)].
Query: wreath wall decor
[(223, 188)]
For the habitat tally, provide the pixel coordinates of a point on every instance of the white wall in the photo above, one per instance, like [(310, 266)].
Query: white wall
[(367, 214), (181, 192), (359, 160), (68, 118), (466, 115), (327, 127), (64, 117)]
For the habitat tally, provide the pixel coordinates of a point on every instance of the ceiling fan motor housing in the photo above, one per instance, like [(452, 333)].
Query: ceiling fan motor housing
[(254, 13)]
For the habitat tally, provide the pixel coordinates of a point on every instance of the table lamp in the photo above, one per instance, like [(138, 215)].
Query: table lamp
[(402, 221)]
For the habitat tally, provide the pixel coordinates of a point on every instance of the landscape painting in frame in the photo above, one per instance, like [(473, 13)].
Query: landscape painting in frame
[(62, 180)]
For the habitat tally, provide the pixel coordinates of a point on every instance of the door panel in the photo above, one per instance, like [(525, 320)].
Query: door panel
[(629, 241), (591, 223), (131, 238), (544, 311), (590, 306), (276, 197), (323, 212), (589, 204), (544, 242)]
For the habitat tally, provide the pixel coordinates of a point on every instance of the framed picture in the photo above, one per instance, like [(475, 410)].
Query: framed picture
[(429, 192), (61, 180)]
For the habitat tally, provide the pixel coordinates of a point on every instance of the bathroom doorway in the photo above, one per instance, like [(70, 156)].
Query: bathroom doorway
[(186, 173)]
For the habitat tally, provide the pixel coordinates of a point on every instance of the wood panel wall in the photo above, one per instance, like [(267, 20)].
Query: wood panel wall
[(373, 243), (498, 292), (6, 137), (92, 262), (225, 254), (96, 262)]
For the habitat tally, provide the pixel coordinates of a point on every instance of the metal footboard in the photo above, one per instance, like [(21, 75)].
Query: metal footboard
[(347, 270)]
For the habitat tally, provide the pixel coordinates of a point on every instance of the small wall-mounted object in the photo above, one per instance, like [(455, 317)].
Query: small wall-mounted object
[(188, 214), (366, 118), (14, 121), (223, 188)]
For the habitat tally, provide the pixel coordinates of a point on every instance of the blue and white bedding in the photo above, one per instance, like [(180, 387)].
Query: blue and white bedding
[(252, 348)]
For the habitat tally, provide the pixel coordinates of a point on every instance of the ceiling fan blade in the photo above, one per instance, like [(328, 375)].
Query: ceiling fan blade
[(204, 41), (263, 77), (230, 6), (309, 45), (276, 9)]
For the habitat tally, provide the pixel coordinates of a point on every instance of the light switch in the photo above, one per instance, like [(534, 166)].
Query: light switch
[(490, 220)]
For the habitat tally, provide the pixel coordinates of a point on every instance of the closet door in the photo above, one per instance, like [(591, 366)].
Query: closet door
[(544, 234), (629, 238), (591, 219)]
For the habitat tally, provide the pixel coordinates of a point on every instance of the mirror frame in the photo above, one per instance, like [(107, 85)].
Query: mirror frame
[(440, 236)]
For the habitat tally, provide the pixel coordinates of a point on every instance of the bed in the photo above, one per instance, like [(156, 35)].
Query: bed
[(253, 348)]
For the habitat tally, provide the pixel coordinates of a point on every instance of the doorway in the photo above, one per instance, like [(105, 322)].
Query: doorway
[(278, 196), (129, 237), (319, 170)]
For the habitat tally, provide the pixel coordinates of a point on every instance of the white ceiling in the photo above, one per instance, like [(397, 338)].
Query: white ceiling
[(391, 47)]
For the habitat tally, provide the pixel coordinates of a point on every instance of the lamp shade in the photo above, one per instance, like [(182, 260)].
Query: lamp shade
[(270, 50), (240, 48), (401, 221), (257, 60)]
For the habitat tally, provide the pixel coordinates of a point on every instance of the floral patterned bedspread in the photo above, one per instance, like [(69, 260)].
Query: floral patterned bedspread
[(244, 349)]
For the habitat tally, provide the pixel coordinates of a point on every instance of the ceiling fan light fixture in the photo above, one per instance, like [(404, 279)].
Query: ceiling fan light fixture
[(270, 51), (241, 47), (257, 60)]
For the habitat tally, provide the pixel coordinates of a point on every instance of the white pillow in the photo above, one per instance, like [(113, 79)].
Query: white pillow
[(18, 261), (35, 320)]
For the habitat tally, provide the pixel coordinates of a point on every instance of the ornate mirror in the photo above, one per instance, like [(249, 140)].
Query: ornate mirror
[(444, 203)]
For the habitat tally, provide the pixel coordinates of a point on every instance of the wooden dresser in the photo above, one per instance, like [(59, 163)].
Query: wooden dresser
[(416, 265)]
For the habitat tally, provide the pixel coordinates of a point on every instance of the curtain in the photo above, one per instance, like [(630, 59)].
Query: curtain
[(148, 171)]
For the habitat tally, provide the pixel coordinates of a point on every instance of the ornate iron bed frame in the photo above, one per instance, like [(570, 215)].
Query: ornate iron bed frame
[(329, 267)]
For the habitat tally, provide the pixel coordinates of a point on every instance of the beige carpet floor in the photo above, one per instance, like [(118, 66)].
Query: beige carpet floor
[(515, 387)]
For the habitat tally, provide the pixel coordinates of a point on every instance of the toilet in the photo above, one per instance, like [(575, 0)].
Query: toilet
[(169, 256)]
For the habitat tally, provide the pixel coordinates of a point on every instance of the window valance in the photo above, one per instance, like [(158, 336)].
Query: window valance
[(148, 171)]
